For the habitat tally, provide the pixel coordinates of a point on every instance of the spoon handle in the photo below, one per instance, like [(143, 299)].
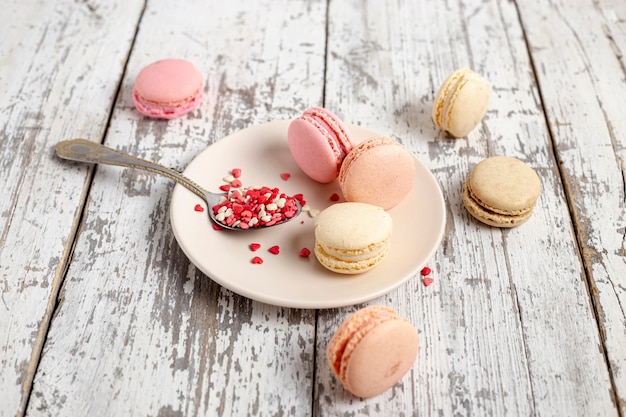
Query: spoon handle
[(86, 151)]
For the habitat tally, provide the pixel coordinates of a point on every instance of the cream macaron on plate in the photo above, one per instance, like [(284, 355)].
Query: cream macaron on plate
[(287, 279)]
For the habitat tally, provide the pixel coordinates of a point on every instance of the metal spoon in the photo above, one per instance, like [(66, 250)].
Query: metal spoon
[(86, 151)]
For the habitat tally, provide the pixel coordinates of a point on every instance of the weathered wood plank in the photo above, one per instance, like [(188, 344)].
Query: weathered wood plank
[(583, 88), (57, 61), (508, 328), (139, 330)]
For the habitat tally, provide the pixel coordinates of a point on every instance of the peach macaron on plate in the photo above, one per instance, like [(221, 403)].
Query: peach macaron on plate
[(286, 278)]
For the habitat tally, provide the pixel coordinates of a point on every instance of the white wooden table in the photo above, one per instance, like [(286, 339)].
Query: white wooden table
[(101, 313)]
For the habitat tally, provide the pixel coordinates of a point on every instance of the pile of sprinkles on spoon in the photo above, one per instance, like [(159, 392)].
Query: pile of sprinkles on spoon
[(252, 207)]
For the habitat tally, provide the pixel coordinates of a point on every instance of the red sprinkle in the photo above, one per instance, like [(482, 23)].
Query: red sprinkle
[(427, 281), (426, 271), (225, 187), (216, 227), (257, 260), (254, 246), (235, 183), (285, 176), (300, 198), (334, 197), (304, 252), (236, 172), (199, 208), (274, 249), (254, 207)]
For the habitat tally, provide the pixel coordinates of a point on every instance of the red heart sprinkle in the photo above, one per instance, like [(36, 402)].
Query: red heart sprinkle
[(285, 176), (235, 183), (425, 271), (428, 281), (225, 187), (304, 252), (334, 197), (254, 246), (274, 249), (257, 260), (236, 172), (199, 208), (216, 227)]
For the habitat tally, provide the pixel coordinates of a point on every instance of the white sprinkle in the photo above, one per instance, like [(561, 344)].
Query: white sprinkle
[(306, 207), (229, 178), (271, 207), (253, 221), (281, 202), (313, 212)]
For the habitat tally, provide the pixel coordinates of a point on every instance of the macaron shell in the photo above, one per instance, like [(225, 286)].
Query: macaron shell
[(378, 171), (381, 358), (333, 124), (445, 91), (461, 102), (467, 106), (168, 81), (313, 151), (504, 185), (343, 334), (168, 88)]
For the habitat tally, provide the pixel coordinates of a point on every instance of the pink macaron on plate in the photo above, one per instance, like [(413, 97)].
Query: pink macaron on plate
[(287, 279)]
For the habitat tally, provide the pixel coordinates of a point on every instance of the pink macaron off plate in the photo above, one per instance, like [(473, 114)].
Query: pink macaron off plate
[(168, 88), (372, 350), (319, 141)]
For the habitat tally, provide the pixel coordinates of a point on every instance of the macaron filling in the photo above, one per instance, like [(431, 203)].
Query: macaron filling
[(156, 108)]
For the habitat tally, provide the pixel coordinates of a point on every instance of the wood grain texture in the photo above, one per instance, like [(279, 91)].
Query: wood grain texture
[(42, 89), (522, 322), (509, 329), (584, 89), (140, 331)]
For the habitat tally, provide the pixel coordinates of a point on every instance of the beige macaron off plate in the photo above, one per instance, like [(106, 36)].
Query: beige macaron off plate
[(501, 191), (461, 102)]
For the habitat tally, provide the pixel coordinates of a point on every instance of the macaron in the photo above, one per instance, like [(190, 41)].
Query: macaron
[(378, 171), (461, 102), (319, 141), (167, 89), (372, 350), (351, 238), (501, 191)]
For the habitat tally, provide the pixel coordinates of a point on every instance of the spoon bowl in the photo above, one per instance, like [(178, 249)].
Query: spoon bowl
[(82, 150)]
